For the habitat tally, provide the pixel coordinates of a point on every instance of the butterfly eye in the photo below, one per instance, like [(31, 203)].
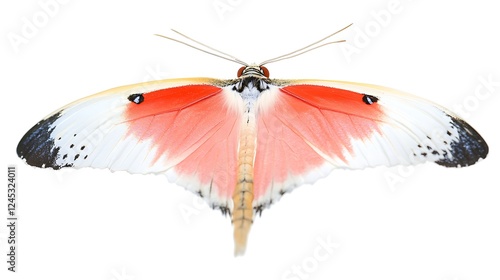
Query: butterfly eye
[(240, 71), (264, 71)]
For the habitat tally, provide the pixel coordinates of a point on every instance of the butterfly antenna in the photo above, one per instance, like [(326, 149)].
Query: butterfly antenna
[(212, 51), (307, 48)]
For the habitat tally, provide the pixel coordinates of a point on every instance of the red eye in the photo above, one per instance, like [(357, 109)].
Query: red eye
[(264, 71), (240, 71)]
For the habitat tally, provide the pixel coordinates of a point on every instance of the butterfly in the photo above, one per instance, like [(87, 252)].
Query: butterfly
[(242, 143)]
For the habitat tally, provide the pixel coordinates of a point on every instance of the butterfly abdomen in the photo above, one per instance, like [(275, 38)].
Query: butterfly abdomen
[(243, 195)]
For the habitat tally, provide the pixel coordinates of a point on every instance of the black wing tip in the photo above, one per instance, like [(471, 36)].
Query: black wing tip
[(468, 150), (37, 147)]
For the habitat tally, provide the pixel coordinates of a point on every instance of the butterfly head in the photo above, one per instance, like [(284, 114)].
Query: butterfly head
[(253, 70)]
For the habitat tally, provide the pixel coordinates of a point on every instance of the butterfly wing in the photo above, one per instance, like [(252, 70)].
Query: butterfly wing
[(184, 128), (306, 128)]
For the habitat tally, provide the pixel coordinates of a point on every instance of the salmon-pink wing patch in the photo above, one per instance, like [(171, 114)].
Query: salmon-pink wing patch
[(306, 130), (192, 131)]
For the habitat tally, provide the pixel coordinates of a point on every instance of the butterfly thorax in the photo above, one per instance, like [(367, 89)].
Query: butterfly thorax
[(253, 76), (250, 83)]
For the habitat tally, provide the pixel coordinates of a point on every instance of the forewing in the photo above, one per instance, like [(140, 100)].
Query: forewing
[(307, 128), (186, 129)]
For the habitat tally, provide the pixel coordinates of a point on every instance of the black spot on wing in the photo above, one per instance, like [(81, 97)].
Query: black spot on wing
[(223, 208), (136, 98), (37, 147), (467, 149), (369, 99), (258, 209)]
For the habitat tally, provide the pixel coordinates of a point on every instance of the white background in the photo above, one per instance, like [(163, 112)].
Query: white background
[(428, 222)]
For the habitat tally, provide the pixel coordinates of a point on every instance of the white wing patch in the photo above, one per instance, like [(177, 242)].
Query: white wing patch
[(94, 134)]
